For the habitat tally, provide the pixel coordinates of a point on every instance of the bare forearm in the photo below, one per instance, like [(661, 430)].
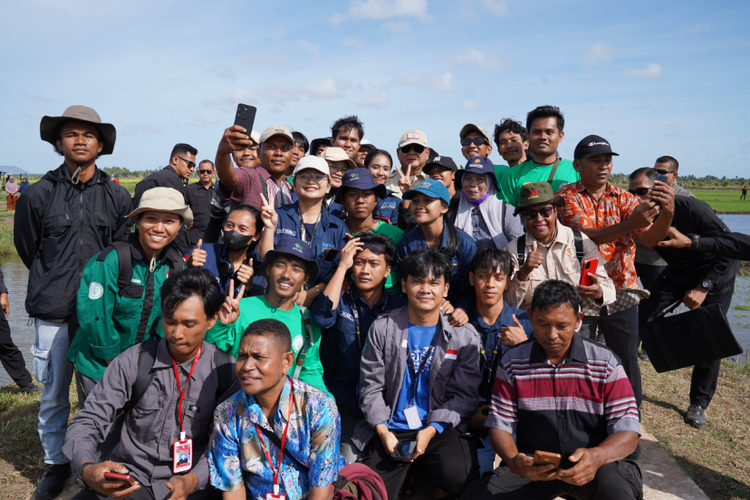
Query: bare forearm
[(657, 231), (225, 171), (617, 446), (322, 493), (333, 288), (602, 235), (265, 244), (238, 494), (503, 444)]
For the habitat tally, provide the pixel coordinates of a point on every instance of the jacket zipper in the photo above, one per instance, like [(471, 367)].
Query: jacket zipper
[(80, 247)]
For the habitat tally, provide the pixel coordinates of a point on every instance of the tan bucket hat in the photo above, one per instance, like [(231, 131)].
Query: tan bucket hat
[(79, 113), (164, 199), (338, 154)]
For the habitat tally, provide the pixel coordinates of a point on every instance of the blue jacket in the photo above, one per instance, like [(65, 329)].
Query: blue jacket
[(460, 293), (341, 350), (388, 208), (331, 233), (215, 253)]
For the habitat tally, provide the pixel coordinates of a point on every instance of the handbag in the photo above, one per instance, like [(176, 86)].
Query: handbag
[(688, 338)]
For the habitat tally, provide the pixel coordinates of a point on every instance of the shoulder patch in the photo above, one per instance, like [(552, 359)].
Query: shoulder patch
[(96, 290)]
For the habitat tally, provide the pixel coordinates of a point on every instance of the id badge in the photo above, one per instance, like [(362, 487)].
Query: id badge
[(273, 496), (182, 456), (412, 418)]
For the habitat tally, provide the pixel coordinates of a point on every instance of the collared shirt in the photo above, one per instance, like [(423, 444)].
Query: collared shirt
[(388, 207), (341, 348), (481, 233), (237, 458), (284, 191), (460, 293), (559, 262), (577, 404), (616, 205), (151, 427), (200, 204), (392, 183), (249, 188)]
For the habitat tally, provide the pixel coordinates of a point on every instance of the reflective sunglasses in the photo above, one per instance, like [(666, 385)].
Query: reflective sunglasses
[(205, 172), (664, 172), (479, 141), (417, 148), (189, 164), (639, 191), (531, 214)]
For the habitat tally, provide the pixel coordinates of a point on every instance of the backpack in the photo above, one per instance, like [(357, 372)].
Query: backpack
[(521, 248)]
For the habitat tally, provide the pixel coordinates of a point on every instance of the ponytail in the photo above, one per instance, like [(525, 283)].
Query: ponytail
[(452, 246)]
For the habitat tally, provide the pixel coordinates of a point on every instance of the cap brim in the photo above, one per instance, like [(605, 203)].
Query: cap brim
[(593, 154), (380, 191), (310, 265), (185, 213), (107, 131)]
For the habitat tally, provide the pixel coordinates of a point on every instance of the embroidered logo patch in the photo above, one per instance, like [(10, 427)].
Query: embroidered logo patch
[(96, 291), (571, 253), (298, 342)]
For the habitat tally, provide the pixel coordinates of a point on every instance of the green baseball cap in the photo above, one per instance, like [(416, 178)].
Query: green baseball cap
[(537, 193)]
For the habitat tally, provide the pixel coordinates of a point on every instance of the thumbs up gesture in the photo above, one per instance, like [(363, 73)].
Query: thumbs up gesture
[(245, 273), (513, 335), (533, 260), (197, 256)]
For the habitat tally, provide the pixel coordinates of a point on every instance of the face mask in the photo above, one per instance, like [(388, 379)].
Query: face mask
[(234, 240)]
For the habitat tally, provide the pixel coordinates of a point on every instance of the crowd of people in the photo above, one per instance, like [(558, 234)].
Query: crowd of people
[(309, 305)]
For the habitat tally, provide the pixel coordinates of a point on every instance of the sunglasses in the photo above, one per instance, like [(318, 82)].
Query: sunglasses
[(417, 148), (317, 177), (639, 191), (205, 172), (664, 172), (189, 164), (478, 141), (545, 212), (378, 248)]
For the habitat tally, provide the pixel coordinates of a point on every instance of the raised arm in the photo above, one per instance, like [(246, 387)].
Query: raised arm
[(234, 138)]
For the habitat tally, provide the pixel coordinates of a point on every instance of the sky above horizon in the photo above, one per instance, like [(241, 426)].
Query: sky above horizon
[(653, 78)]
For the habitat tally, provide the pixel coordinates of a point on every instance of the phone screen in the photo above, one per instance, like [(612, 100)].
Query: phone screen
[(405, 449)]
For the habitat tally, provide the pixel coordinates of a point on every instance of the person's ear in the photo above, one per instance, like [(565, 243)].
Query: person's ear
[(101, 145), (445, 290), (562, 135), (211, 322), (403, 286), (579, 323), (525, 145), (287, 360), (577, 165), (471, 278), (507, 283), (444, 209), (387, 272)]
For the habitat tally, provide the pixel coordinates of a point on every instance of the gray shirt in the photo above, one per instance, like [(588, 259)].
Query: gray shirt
[(152, 426)]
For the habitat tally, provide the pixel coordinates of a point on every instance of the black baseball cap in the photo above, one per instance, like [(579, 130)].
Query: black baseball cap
[(593, 145), (441, 161)]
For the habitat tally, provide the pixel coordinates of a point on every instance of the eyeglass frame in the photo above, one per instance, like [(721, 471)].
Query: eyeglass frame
[(188, 163), (467, 141), (311, 177), (530, 211), (412, 147)]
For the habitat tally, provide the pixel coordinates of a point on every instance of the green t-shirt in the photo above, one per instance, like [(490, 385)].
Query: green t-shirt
[(227, 337), (511, 179), (393, 281)]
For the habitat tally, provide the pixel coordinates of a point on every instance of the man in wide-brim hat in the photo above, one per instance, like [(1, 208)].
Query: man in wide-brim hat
[(72, 213)]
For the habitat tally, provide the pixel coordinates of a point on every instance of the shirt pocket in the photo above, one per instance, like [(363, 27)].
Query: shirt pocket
[(57, 231), (196, 418)]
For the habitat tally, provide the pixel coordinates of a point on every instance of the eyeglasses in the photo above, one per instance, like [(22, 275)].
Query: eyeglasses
[(316, 177), (417, 148), (335, 167), (665, 172), (545, 212), (639, 191), (479, 141), (189, 164), (205, 172)]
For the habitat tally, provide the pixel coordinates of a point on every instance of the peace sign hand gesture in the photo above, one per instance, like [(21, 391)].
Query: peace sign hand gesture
[(404, 181), (268, 214), (230, 310)]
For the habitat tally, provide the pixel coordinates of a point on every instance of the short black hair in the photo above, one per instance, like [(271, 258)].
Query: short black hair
[(555, 293), (545, 112), (426, 262), (181, 149), (251, 210), (206, 161), (512, 126), (649, 172), (390, 249), (182, 285), (347, 123), (273, 328), (301, 140), (670, 160), (491, 259), (376, 152)]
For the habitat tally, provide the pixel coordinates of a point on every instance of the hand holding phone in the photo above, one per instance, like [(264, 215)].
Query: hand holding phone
[(126, 479), (404, 451), (589, 267), (547, 458), (245, 117)]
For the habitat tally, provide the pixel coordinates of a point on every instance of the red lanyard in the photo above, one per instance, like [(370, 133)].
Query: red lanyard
[(182, 392), (277, 470)]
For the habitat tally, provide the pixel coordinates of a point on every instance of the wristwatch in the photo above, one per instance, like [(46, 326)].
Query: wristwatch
[(707, 284), (79, 477), (694, 240)]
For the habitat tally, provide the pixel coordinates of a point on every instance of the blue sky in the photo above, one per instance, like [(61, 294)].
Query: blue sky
[(653, 78)]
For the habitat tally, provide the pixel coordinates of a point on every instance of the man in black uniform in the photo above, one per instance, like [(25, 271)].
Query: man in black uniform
[(181, 165), (10, 356), (200, 194), (697, 278)]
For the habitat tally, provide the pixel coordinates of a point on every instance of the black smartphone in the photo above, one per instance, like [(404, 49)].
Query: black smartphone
[(661, 178), (404, 450), (245, 117), (330, 254)]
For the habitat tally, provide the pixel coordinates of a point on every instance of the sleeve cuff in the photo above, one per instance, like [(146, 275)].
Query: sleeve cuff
[(439, 426)]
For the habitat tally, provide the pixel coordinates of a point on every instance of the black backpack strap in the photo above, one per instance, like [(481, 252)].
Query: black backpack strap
[(521, 250), (124, 259), (225, 369), (145, 376), (579, 245), (44, 216)]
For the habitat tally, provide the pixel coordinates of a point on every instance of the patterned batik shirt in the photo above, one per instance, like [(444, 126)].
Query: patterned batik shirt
[(236, 454)]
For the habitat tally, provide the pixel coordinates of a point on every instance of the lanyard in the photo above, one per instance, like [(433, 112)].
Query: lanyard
[(302, 230), (182, 392), (277, 470), (428, 355), (355, 312)]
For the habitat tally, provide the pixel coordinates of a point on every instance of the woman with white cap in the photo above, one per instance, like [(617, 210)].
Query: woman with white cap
[(119, 300)]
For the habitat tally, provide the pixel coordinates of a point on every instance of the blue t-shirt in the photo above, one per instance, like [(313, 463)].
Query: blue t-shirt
[(420, 339)]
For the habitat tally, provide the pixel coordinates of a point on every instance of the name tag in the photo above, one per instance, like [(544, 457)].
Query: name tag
[(405, 344), (412, 418)]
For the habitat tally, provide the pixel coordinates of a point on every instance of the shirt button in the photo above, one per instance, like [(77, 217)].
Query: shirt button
[(559, 393)]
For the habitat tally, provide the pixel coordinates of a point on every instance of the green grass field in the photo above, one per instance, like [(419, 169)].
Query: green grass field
[(724, 201)]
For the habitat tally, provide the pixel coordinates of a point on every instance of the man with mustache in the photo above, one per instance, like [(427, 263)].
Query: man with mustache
[(287, 267), (413, 154)]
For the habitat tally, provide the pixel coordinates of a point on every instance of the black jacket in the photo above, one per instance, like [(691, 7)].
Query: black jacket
[(58, 227)]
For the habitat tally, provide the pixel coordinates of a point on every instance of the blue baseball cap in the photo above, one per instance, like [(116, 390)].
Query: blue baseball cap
[(294, 248), (478, 165), (431, 188), (360, 178)]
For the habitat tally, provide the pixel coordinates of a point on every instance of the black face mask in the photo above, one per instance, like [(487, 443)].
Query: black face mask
[(234, 240)]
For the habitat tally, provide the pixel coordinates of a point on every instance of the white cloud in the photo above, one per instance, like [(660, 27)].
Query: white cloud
[(327, 89), (38, 98), (142, 128), (210, 119), (337, 19), (279, 93), (599, 53), (278, 34), (673, 130), (468, 104), (473, 57), (222, 71), (443, 83), (397, 26), (379, 101), (380, 10), (309, 46), (34, 115), (353, 41), (497, 7), (653, 70), (233, 97)]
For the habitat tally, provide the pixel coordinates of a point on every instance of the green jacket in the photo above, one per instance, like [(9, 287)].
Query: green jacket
[(109, 317), (227, 337)]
